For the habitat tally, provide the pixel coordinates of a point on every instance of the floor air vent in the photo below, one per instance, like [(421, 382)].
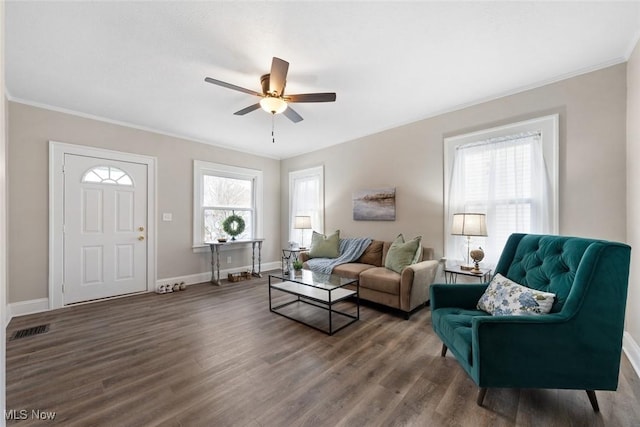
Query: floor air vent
[(29, 332)]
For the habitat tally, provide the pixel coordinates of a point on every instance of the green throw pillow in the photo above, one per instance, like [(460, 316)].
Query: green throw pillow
[(325, 246), (402, 254)]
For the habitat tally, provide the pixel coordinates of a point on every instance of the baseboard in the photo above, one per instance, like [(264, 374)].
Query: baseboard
[(192, 279), (22, 308), (268, 266), (189, 279), (632, 350)]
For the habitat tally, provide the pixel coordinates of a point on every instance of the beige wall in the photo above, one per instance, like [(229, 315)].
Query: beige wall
[(592, 161), (633, 200), (31, 129)]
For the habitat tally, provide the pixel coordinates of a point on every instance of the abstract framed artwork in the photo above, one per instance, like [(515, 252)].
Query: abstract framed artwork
[(375, 204)]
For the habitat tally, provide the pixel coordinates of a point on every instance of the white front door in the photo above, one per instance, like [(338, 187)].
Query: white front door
[(105, 228)]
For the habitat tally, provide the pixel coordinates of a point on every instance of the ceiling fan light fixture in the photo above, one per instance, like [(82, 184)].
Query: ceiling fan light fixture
[(273, 105)]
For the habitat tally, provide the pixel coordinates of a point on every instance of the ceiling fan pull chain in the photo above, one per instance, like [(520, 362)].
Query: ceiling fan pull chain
[(273, 121)]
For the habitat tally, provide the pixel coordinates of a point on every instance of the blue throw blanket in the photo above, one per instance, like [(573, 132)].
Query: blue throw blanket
[(350, 250)]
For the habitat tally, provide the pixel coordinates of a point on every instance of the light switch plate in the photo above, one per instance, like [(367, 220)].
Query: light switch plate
[(167, 217)]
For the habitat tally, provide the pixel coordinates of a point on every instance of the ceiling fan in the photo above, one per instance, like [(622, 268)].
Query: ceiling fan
[(274, 100)]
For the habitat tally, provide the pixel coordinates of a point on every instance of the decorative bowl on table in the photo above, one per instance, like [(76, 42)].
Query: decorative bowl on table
[(222, 240)]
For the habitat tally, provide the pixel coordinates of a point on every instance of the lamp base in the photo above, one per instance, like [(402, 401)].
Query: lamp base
[(476, 268), (467, 267)]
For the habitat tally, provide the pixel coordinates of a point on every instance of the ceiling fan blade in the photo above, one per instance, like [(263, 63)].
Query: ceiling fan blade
[(312, 97), (248, 109), (230, 86), (292, 115), (278, 76)]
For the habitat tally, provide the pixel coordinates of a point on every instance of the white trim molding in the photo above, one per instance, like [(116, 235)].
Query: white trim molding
[(316, 212), (130, 125), (548, 126), (632, 350), (57, 151), (194, 279), (22, 308), (202, 168)]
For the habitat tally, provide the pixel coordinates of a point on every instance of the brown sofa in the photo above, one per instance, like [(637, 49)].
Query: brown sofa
[(405, 292)]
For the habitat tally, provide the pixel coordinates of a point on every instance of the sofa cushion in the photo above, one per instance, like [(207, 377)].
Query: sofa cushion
[(325, 246), (373, 254), (381, 279), (401, 253), (506, 297), (455, 323), (351, 270)]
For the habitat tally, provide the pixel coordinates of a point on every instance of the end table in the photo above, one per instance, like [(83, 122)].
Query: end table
[(451, 274), (288, 257)]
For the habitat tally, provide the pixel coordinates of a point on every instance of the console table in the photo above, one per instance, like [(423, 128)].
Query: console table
[(215, 257)]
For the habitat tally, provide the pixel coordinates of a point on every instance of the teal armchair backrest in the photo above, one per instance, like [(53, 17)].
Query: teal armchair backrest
[(553, 263)]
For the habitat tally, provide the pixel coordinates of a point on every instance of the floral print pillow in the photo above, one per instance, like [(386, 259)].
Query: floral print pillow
[(504, 297)]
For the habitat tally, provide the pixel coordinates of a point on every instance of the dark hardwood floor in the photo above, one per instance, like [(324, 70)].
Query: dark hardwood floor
[(216, 356)]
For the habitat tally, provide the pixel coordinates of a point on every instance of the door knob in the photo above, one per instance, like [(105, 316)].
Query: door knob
[(140, 237), (140, 228)]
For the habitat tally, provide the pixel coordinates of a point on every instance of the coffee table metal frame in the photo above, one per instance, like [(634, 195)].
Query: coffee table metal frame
[(318, 290)]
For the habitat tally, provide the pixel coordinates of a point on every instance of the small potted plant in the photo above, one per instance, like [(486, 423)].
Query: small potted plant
[(297, 265)]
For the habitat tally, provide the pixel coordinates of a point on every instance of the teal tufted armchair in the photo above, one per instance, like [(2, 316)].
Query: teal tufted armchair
[(576, 346)]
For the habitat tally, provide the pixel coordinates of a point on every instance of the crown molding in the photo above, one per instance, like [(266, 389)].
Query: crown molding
[(541, 83), (130, 125)]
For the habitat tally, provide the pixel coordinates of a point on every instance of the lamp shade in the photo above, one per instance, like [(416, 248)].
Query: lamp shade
[(469, 224), (302, 222)]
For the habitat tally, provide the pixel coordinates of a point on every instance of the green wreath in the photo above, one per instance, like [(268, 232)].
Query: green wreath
[(233, 226)]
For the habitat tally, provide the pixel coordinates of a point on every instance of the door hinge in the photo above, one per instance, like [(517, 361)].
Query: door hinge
[(63, 288), (63, 168)]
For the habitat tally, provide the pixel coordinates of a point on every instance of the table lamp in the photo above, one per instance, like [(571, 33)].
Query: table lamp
[(302, 223), (469, 224)]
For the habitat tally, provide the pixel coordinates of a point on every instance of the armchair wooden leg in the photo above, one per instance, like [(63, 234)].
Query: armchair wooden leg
[(443, 352), (593, 400), (481, 393)]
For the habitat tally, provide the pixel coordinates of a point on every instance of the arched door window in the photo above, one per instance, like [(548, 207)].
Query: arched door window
[(107, 175)]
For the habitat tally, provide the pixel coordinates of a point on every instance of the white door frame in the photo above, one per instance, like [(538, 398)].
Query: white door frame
[(57, 151)]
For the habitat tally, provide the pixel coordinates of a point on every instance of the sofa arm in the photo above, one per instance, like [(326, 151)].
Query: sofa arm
[(415, 281), (460, 296), (304, 256)]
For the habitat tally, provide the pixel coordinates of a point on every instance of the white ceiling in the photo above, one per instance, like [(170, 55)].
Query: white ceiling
[(390, 63)]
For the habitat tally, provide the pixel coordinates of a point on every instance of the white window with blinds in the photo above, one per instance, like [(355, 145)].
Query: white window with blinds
[(306, 198), (510, 174), (220, 191)]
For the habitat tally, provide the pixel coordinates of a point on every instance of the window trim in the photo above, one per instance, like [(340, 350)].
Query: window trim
[(201, 168), (302, 173), (548, 126)]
